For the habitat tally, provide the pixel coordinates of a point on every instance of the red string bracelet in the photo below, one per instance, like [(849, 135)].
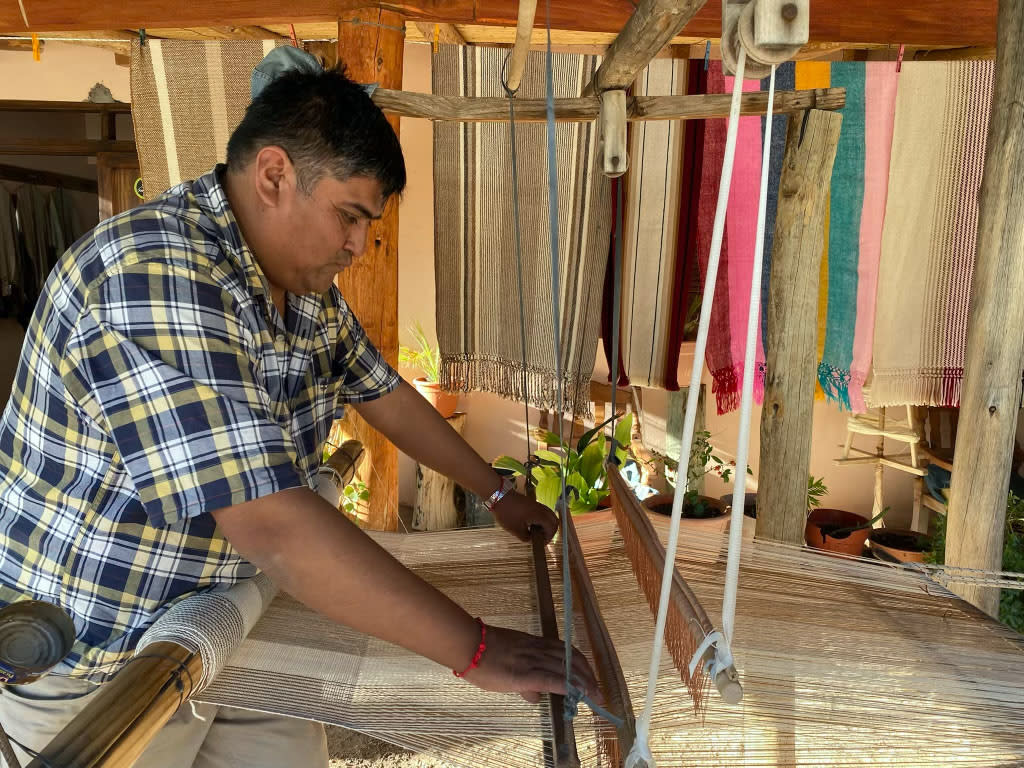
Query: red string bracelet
[(479, 651)]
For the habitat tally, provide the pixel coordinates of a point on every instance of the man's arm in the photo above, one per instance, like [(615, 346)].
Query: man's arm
[(412, 424), (315, 554)]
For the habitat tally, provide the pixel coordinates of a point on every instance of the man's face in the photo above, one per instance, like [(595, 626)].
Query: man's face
[(321, 233)]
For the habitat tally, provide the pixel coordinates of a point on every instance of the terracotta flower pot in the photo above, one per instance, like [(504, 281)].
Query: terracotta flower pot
[(898, 544), (661, 503), (443, 402), (833, 519)]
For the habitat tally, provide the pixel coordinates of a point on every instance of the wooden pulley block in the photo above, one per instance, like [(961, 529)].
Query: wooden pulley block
[(770, 31), (614, 148)]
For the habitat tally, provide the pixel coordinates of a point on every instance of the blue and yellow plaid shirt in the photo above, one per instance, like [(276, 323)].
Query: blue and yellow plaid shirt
[(159, 383)]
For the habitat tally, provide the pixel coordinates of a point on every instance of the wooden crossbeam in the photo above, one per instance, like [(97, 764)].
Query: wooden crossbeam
[(653, 24), (582, 109), (47, 178), (917, 23), (63, 147)]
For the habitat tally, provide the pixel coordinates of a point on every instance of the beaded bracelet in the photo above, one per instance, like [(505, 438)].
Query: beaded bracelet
[(479, 651)]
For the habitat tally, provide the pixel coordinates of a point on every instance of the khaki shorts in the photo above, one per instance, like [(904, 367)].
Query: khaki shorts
[(199, 735)]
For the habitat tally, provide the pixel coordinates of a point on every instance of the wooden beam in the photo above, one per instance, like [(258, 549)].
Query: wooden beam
[(63, 147), (991, 397), (791, 313), (26, 105), (446, 33), (918, 23), (372, 52), (47, 178), (653, 24), (17, 44), (582, 109)]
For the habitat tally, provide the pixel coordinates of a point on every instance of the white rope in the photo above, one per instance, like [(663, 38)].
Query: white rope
[(732, 568), (640, 754)]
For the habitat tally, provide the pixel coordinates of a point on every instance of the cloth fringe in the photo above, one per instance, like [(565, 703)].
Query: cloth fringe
[(473, 373), (727, 384), (835, 383), (938, 387)]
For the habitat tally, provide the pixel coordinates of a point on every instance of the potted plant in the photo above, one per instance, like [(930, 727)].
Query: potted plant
[(899, 545), (428, 359), (583, 467), (355, 499), (836, 530), (698, 511), (816, 489)]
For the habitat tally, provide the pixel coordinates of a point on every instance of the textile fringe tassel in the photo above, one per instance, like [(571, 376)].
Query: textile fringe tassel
[(938, 387), (467, 373), (835, 383), (726, 386)]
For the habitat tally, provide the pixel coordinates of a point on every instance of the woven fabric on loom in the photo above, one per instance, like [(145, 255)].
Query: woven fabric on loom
[(843, 662), (474, 242), (187, 98), (928, 241)]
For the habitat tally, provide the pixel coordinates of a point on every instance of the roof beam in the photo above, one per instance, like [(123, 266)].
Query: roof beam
[(653, 24), (446, 33), (916, 23)]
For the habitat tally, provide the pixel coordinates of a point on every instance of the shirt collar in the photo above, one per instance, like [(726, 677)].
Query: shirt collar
[(213, 202)]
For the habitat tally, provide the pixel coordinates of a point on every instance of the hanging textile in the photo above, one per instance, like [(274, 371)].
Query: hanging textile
[(9, 260), (474, 241), (651, 257), (732, 291), (928, 240), (187, 98)]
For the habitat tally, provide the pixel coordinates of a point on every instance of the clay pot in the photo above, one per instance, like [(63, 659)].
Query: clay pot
[(899, 544), (852, 544), (443, 402), (661, 503)]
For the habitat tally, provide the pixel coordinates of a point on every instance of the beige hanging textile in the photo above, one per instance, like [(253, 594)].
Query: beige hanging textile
[(187, 98), (474, 240)]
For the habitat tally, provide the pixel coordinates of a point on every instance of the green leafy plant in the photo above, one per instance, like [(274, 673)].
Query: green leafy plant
[(583, 467), (427, 358), (816, 489), (354, 499), (1011, 601)]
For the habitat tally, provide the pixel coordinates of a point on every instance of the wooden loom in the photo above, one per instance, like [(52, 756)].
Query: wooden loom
[(165, 681)]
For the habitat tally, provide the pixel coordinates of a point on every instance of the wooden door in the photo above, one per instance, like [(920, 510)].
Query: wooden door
[(116, 177)]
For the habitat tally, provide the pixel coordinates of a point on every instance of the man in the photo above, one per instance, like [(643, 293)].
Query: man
[(176, 386)]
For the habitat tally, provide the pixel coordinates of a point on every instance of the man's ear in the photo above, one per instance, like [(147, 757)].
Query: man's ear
[(275, 176)]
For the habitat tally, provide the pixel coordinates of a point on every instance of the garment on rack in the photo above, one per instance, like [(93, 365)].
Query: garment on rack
[(475, 267)]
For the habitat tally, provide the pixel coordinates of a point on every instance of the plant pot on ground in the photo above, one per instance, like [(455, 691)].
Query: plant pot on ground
[(703, 512), (900, 545), (836, 530)]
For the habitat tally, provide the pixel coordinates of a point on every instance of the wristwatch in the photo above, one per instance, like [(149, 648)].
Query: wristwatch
[(506, 487)]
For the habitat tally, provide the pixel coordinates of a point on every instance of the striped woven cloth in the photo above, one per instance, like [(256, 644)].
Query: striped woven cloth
[(187, 98), (474, 241), (928, 241)]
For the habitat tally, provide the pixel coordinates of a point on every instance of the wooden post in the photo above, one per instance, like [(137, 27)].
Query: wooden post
[(370, 45), (995, 330), (792, 324)]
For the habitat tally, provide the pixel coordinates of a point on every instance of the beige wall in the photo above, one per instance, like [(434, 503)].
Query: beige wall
[(65, 72)]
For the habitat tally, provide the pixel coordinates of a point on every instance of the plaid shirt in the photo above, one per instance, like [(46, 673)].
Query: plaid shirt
[(158, 383)]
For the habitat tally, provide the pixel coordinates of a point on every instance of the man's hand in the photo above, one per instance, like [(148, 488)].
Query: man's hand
[(519, 663), (517, 514)]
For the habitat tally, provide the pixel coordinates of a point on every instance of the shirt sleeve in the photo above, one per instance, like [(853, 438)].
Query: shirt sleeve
[(161, 361), (365, 374)]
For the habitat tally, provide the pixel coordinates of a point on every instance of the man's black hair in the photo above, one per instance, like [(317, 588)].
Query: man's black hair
[(327, 124)]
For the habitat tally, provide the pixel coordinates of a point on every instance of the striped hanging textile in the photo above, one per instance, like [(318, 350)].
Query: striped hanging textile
[(817, 74), (928, 240), (651, 258), (187, 98), (474, 241)]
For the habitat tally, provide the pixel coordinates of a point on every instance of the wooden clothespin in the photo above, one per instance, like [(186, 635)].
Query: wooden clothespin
[(295, 40), (35, 47), (437, 37), (899, 58)]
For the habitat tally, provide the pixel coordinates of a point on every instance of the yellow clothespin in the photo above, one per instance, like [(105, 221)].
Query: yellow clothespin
[(437, 37), (35, 47)]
